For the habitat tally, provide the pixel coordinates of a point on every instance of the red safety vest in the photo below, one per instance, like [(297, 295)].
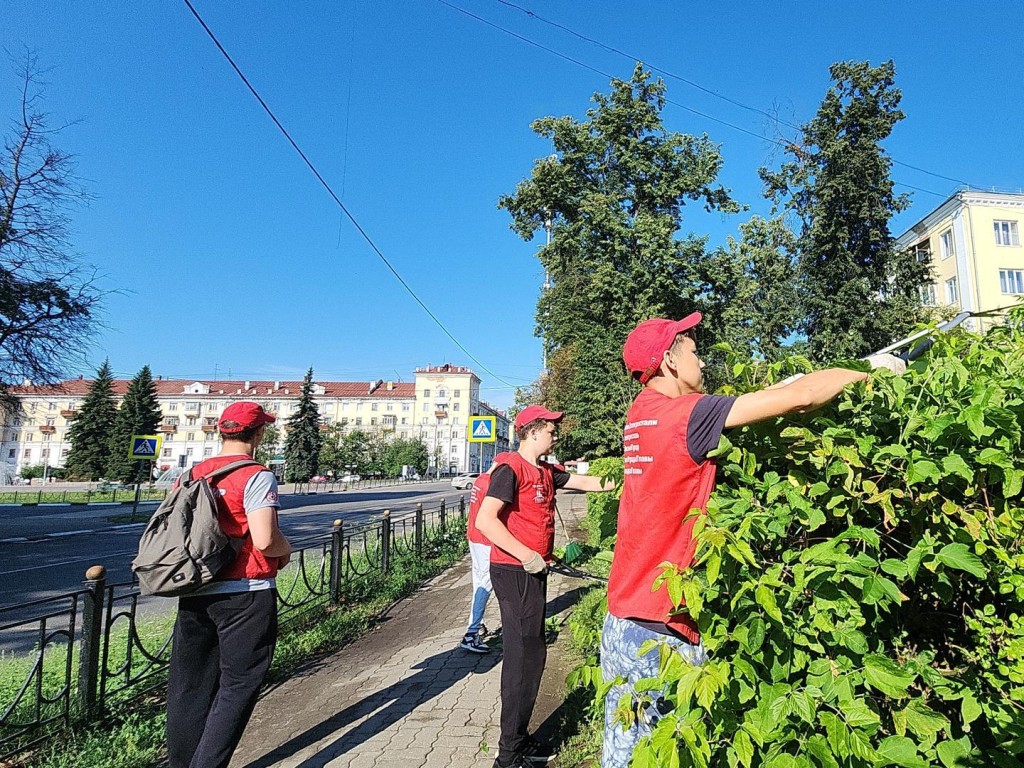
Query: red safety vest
[(531, 515), (662, 484)]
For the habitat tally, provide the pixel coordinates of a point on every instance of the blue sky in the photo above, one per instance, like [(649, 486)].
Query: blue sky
[(230, 255)]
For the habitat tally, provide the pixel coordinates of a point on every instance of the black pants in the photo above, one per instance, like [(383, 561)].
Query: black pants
[(222, 649), (522, 598)]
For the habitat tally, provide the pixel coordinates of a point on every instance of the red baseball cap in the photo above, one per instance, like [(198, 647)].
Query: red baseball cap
[(650, 340), (534, 412), (246, 415)]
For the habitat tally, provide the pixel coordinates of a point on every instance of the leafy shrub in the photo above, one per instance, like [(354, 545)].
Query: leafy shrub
[(602, 508), (860, 588)]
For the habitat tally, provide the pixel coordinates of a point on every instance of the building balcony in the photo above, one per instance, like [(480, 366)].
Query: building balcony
[(69, 414), (167, 428), (47, 429), (209, 427), (440, 414)]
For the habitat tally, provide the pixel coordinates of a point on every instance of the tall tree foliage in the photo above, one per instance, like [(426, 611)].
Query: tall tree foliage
[(303, 442), (267, 449), (857, 293), (47, 299), (139, 414), (614, 195), (90, 433)]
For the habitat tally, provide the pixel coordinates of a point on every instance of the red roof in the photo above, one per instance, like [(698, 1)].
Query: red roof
[(262, 389)]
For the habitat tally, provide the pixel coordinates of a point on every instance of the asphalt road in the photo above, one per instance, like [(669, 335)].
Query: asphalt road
[(66, 541)]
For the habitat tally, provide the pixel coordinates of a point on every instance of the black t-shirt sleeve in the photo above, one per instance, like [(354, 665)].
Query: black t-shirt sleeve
[(503, 484), (707, 422), (561, 478)]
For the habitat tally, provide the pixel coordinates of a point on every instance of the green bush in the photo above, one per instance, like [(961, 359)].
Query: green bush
[(603, 508), (860, 586)]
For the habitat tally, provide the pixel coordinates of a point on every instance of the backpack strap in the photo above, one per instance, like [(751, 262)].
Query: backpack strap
[(226, 469)]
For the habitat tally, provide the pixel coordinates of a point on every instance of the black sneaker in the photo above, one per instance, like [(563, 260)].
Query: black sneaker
[(474, 644), (520, 762), (483, 631), (534, 751)]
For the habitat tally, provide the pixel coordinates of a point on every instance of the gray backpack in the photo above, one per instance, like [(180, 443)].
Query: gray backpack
[(183, 546)]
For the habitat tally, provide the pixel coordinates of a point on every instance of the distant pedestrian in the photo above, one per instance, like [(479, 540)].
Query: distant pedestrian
[(518, 516), (480, 555), (225, 632)]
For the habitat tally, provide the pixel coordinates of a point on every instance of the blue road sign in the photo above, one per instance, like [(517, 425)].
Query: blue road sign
[(145, 447), (482, 429)]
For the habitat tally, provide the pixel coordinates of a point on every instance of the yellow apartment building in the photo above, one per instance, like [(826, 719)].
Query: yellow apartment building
[(435, 409), (973, 242)]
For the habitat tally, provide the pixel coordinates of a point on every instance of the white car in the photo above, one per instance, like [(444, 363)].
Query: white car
[(350, 478), (464, 482)]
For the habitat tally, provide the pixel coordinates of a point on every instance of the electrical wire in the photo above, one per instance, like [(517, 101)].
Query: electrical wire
[(709, 91), (323, 182), (699, 113)]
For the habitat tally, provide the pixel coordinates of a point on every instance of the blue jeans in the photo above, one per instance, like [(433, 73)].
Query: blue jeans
[(620, 645), (481, 557)]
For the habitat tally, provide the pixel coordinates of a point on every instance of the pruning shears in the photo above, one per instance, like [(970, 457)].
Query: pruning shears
[(926, 338)]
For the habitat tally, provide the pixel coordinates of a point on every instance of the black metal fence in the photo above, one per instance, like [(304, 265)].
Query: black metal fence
[(329, 486), (104, 646), (85, 496)]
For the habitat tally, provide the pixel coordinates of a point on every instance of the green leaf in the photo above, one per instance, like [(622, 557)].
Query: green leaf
[(744, 747), (975, 418), (766, 599), (1013, 480), (899, 750), (924, 721), (885, 676), (952, 752), (921, 470), (960, 557), (818, 748), (954, 464), (970, 709)]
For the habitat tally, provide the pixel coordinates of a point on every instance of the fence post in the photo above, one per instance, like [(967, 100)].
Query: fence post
[(419, 530), (337, 548), (462, 507), (443, 514), (89, 651), (385, 542)]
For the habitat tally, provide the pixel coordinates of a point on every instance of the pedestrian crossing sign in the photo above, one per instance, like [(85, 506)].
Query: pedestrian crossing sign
[(145, 447), (482, 429)]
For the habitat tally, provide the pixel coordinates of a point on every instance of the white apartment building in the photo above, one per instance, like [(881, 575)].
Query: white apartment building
[(435, 409)]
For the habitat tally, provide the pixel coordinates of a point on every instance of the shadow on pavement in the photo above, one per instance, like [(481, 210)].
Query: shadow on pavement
[(436, 674)]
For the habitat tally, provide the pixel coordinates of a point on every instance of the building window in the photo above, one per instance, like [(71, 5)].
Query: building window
[(927, 293), (343, 421), (190, 421), (12, 453), (1006, 233), (44, 454), (193, 406), (171, 421), (373, 406), (946, 244), (359, 405), (190, 436), (64, 452), (406, 406), (46, 437), (30, 437), (457, 393), (455, 407), (952, 292), (359, 421), (373, 421), (32, 407), (207, 452), (405, 420), (53, 406), (28, 453), (426, 393), (166, 453), (49, 422), (172, 406), (1011, 281), (188, 451), (426, 407), (391, 406)]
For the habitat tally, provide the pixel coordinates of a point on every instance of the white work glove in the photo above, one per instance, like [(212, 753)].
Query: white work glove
[(790, 379), (535, 564), (890, 362)]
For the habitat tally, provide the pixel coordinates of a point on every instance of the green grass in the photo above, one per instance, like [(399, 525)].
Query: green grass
[(134, 736), (79, 497)]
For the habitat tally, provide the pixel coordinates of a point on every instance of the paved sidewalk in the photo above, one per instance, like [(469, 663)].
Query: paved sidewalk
[(405, 695)]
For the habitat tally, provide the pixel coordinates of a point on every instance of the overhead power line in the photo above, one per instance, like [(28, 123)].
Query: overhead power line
[(341, 205), (672, 75)]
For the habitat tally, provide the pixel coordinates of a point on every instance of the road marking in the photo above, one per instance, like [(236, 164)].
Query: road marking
[(61, 534), (13, 540)]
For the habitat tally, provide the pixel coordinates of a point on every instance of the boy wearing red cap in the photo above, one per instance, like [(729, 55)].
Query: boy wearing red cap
[(225, 632), (670, 429), (517, 516)]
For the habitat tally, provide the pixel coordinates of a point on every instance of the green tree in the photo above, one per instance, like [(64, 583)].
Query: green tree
[(90, 432), (139, 414), (302, 444), (613, 195), (405, 452), (267, 449), (857, 292)]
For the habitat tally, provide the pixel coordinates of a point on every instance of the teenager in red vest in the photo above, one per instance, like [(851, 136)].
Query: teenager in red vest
[(670, 429), (225, 632), (517, 516), (480, 556)]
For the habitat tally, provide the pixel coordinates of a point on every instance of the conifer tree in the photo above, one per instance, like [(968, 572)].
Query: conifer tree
[(90, 432), (856, 291), (302, 445), (139, 414)]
